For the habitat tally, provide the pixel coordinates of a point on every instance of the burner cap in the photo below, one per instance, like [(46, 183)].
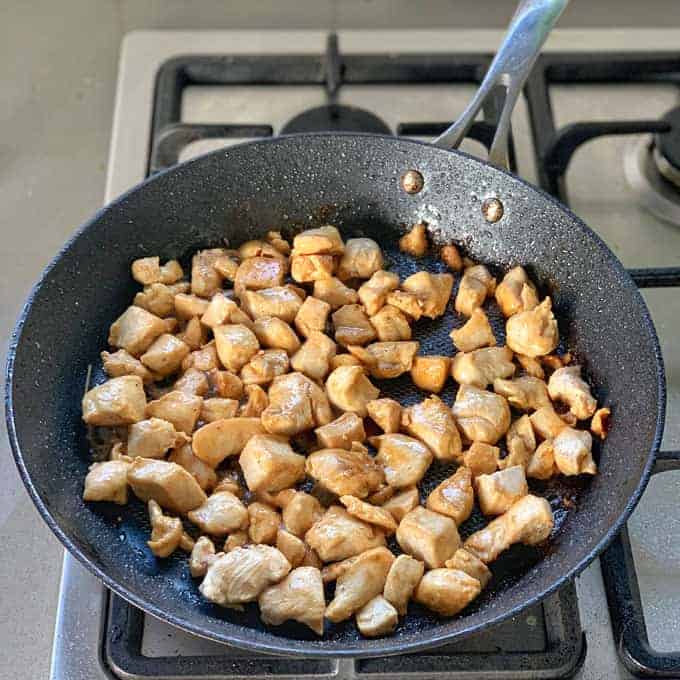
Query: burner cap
[(336, 117), (668, 143)]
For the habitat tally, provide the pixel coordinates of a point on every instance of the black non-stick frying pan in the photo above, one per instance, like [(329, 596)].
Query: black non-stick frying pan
[(354, 181)]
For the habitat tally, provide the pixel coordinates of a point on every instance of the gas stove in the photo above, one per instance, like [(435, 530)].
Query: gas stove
[(599, 128)]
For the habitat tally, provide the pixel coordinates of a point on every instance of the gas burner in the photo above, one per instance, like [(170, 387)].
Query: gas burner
[(667, 148), (338, 118)]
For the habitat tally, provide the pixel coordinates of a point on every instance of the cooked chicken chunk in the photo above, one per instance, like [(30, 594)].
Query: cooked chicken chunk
[(481, 458), (498, 491), (409, 303), (533, 333), (476, 284), (516, 293), (402, 503), (322, 240), (166, 532), (373, 293), (220, 514), (405, 460), (520, 442), (223, 438), (189, 306), (242, 574), (274, 333), (118, 401), (528, 521), (546, 423), (293, 548), (225, 384), (454, 497), (192, 381), (270, 464), (342, 472), (369, 513), (165, 355), (573, 455), (377, 617), (202, 473), (236, 345), (447, 591), (280, 301), (202, 556), (296, 404), (387, 359), (450, 256), (264, 366), (257, 402), (475, 333), (301, 512), (334, 292), (220, 311), (171, 272), (312, 316), (432, 422), (361, 259), (364, 580), (432, 290), (482, 366), (107, 481), (352, 326), (600, 423), (313, 358), (402, 579), (204, 359), (122, 363), (414, 242), (179, 408), (238, 539), (349, 389), (308, 268), (159, 299), (541, 465), (464, 561), (428, 536), (264, 523), (277, 240), (566, 385), (386, 413), (146, 270), (256, 273), (205, 279), (169, 484), (258, 248), (525, 393), (150, 438), (391, 325), (135, 329), (299, 597), (340, 433), (429, 373), (482, 416)]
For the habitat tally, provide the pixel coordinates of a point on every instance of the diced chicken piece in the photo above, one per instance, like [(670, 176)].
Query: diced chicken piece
[(475, 333), (280, 301), (118, 401), (447, 591), (391, 325), (450, 256), (601, 422), (405, 460), (546, 423), (264, 366), (107, 481), (220, 439), (219, 311), (466, 562), (321, 240), (192, 381), (242, 574), (169, 484), (349, 389), (257, 402), (342, 472), (402, 503), (313, 358), (122, 363), (277, 334), (291, 546), (135, 329), (334, 292), (476, 284), (238, 539), (361, 259), (454, 497), (409, 303), (341, 432), (525, 393), (481, 458), (482, 416), (179, 408), (296, 404), (352, 326), (432, 422), (151, 438), (414, 242), (308, 268), (482, 366), (520, 443), (171, 324), (429, 373), (264, 523), (204, 359), (166, 532), (533, 333), (270, 464), (256, 273), (202, 556), (146, 270), (432, 290), (386, 413), (541, 465), (338, 535), (531, 365), (236, 344), (188, 306), (228, 480), (312, 316), (428, 536), (369, 513), (377, 617), (387, 359), (301, 512), (402, 579), (373, 293), (226, 384), (528, 521), (382, 495), (165, 355), (363, 580), (220, 514), (205, 279), (299, 597), (158, 299), (258, 248), (516, 293), (202, 473), (573, 452), (567, 386), (331, 572), (498, 491), (171, 272)]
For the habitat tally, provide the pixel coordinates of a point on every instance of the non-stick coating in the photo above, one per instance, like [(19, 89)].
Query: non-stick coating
[(352, 181)]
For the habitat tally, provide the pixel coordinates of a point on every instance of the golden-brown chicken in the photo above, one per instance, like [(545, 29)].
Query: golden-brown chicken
[(166, 532), (387, 359), (352, 326), (450, 256), (500, 490), (481, 458), (546, 423), (238, 539), (428, 536), (454, 497), (377, 617), (541, 464), (340, 433), (373, 293), (573, 452), (107, 481), (400, 504), (312, 316), (482, 366), (349, 389), (122, 363), (525, 393), (220, 311), (263, 523), (135, 329), (220, 514), (301, 512), (192, 381), (236, 344), (409, 303), (476, 284), (321, 240), (270, 464), (533, 333), (202, 556), (159, 299), (516, 293), (361, 259), (258, 248), (308, 268), (432, 291), (179, 408), (146, 270), (371, 514), (190, 306), (429, 373), (342, 472), (205, 279), (225, 384), (402, 579), (313, 358), (194, 334), (447, 591), (204, 359), (475, 333), (202, 473), (405, 460), (274, 333), (601, 422), (220, 439), (291, 546), (280, 301), (386, 413), (482, 416), (256, 273), (414, 241), (432, 422), (118, 401), (334, 292), (462, 560), (567, 386), (151, 438), (264, 366), (520, 442), (391, 325)]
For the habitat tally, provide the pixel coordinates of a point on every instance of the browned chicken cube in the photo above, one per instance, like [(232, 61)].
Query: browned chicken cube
[(349, 389), (309, 268), (497, 492), (370, 514), (259, 248), (264, 366), (280, 301), (205, 279), (202, 473), (516, 293), (464, 561), (151, 438), (123, 363), (546, 423), (450, 256), (573, 452), (135, 329), (482, 366), (481, 458), (334, 292), (447, 591), (567, 385), (387, 359), (391, 325), (352, 326), (361, 259), (475, 333), (414, 242), (165, 355), (225, 384), (264, 523), (402, 503), (601, 422), (158, 299), (192, 381), (202, 556), (409, 303), (377, 617), (525, 393), (171, 272), (236, 344), (204, 359), (146, 270), (428, 536), (541, 464), (293, 548), (432, 422), (166, 532), (277, 334), (179, 408), (322, 240), (256, 273), (313, 357), (238, 539), (220, 514), (118, 401), (257, 402), (429, 373), (220, 439), (520, 442), (533, 333), (482, 416), (219, 311), (194, 334), (342, 472), (405, 460), (301, 512), (402, 579), (107, 481), (386, 413), (432, 290), (188, 306), (454, 497), (373, 293), (312, 316), (270, 464), (476, 284), (341, 432)]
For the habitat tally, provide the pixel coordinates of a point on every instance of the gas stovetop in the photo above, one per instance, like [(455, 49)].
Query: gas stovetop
[(184, 93)]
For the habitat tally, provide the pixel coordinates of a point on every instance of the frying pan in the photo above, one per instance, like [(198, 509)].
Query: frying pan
[(357, 182)]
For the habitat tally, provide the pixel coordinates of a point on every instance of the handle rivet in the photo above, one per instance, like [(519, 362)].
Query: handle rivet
[(412, 182), (492, 209)]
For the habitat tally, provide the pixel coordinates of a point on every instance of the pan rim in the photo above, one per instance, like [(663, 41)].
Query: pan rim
[(273, 644)]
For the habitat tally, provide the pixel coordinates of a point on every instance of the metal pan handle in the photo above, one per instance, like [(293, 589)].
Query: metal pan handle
[(532, 22)]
